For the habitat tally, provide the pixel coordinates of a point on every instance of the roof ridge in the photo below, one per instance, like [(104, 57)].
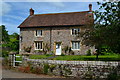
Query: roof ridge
[(61, 13)]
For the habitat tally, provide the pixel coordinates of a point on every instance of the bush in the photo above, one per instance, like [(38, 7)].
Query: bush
[(36, 70), (62, 54), (27, 49), (48, 54), (5, 53), (88, 52), (46, 66)]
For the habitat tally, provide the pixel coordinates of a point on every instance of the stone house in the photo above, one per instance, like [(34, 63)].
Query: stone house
[(55, 33)]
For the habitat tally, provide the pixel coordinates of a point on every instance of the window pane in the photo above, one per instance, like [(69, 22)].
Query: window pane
[(38, 45), (75, 45), (75, 31), (38, 32)]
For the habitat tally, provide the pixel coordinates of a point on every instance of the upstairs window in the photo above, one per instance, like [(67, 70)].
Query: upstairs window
[(75, 44), (38, 33), (75, 31), (38, 45)]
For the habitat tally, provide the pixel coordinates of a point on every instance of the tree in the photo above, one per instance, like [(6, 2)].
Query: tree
[(106, 30), (14, 42), (109, 25), (5, 35)]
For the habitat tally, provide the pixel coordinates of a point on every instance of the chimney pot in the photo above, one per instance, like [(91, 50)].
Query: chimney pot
[(90, 7), (31, 11)]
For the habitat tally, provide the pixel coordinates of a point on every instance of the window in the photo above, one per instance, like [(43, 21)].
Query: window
[(38, 45), (38, 32), (75, 45), (75, 31)]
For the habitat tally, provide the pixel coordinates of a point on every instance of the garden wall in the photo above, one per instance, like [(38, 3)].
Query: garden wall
[(79, 69)]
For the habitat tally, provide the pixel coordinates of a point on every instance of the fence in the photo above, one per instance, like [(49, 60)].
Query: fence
[(13, 60)]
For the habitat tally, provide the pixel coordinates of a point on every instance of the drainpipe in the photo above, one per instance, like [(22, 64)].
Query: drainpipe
[(50, 38)]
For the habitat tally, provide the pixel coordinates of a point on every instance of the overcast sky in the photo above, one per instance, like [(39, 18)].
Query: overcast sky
[(14, 13)]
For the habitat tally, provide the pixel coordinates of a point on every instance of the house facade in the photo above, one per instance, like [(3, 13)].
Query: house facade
[(55, 33)]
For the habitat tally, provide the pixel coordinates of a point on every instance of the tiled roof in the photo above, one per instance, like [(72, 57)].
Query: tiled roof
[(58, 19)]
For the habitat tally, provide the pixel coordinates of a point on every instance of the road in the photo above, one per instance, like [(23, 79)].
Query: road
[(13, 74)]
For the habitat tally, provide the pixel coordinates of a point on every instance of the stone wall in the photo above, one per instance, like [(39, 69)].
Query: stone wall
[(78, 69), (58, 34)]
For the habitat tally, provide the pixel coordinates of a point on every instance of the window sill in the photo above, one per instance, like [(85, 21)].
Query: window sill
[(38, 36), (39, 49), (75, 49)]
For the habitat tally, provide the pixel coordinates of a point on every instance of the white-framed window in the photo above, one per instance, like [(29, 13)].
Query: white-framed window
[(75, 31), (75, 45), (38, 45), (38, 33)]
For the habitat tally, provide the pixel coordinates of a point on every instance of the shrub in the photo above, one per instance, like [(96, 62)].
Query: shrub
[(5, 53), (27, 49), (88, 52), (36, 70), (62, 54), (48, 54), (46, 66)]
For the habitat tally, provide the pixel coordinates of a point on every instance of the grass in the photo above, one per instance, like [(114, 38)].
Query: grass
[(80, 57), (19, 58), (39, 56), (89, 58)]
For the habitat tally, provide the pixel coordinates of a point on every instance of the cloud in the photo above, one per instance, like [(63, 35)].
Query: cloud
[(58, 3), (5, 8), (14, 17)]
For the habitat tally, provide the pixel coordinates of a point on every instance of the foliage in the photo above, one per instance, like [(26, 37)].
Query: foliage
[(14, 44), (27, 49), (5, 53), (62, 54), (36, 70), (9, 42), (106, 31), (5, 35), (46, 66), (68, 50), (46, 48), (88, 52)]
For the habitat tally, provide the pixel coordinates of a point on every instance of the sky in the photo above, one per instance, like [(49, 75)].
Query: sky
[(14, 13)]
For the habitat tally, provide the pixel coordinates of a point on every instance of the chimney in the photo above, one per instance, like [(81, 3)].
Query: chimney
[(90, 7), (31, 11)]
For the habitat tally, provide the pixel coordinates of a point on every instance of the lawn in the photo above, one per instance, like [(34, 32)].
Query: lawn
[(19, 58), (80, 57), (89, 58), (39, 56)]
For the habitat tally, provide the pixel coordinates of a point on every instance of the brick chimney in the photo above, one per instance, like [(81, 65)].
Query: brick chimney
[(31, 11), (90, 7)]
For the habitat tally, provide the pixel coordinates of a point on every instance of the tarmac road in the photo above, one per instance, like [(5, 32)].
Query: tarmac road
[(13, 74)]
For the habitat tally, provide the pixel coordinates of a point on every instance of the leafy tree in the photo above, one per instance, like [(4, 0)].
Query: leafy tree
[(106, 30), (5, 35), (14, 42), (9, 42), (109, 25)]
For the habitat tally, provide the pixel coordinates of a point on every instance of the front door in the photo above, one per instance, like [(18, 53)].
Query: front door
[(58, 49)]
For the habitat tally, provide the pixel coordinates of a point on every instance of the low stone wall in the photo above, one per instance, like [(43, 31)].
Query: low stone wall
[(79, 69)]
